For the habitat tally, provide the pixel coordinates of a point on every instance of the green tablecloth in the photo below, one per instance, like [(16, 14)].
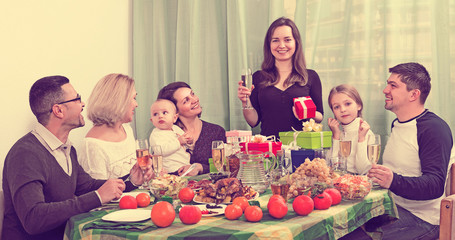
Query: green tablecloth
[(333, 223)]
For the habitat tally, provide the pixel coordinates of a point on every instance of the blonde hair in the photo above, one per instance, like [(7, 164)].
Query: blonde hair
[(110, 99), (351, 92)]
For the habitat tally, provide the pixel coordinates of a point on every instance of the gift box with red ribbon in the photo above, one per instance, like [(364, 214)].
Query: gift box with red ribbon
[(262, 147), (304, 107)]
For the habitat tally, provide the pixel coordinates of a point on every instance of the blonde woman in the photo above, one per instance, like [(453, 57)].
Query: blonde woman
[(109, 148)]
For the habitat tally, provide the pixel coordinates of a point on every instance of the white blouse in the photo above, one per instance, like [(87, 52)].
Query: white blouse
[(357, 161), (103, 159)]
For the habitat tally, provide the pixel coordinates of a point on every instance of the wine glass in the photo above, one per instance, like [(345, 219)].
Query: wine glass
[(143, 158), (374, 148), (247, 80), (218, 155), (157, 159), (345, 148)]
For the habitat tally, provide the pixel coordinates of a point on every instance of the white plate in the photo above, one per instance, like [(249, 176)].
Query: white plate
[(254, 198), (134, 194), (128, 215), (216, 211)]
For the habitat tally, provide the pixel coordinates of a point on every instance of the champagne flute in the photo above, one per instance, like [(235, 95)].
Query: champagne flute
[(345, 150), (157, 159), (218, 155), (374, 148), (143, 158), (247, 80)]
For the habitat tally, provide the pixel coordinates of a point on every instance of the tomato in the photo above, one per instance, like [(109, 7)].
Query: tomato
[(128, 202), (186, 195), (322, 201), (274, 198), (303, 205), (253, 213), (242, 202), (163, 214), (335, 194), (143, 199), (233, 212), (190, 214), (277, 209)]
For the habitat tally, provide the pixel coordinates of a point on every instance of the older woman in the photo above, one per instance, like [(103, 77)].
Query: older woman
[(203, 133), (109, 148)]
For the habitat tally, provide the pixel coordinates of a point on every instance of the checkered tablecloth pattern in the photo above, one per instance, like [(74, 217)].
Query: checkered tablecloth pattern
[(333, 223)]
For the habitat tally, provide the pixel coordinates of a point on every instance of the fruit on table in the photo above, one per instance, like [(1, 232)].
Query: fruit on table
[(186, 195), (322, 201), (128, 202), (303, 205), (242, 202), (276, 197), (190, 214), (253, 213), (233, 212), (335, 194), (163, 214), (277, 209), (143, 199)]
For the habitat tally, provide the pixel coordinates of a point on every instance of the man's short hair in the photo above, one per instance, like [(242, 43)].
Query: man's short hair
[(415, 76), (44, 93)]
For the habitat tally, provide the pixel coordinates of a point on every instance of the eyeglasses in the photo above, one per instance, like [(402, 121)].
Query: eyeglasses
[(78, 98)]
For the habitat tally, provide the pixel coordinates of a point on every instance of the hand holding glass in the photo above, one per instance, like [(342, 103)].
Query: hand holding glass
[(247, 80), (143, 158)]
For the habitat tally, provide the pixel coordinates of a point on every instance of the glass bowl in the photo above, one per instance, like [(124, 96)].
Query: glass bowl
[(158, 192), (353, 187)]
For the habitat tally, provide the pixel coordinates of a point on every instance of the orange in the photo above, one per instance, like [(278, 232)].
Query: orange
[(233, 212), (242, 202), (253, 213), (143, 199), (163, 214)]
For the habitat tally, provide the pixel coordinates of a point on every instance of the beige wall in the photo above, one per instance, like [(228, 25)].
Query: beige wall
[(82, 40)]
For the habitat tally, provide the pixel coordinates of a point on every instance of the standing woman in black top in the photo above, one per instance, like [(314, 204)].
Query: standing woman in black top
[(283, 77)]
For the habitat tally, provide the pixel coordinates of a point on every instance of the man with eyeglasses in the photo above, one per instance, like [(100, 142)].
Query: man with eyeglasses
[(44, 184)]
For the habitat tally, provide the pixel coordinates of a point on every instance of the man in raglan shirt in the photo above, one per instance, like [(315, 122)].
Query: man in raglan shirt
[(416, 157)]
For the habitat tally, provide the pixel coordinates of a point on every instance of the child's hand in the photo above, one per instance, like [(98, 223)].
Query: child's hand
[(334, 126), (185, 139), (363, 130)]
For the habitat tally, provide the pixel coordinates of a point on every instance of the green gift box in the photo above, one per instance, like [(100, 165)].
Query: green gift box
[(308, 140)]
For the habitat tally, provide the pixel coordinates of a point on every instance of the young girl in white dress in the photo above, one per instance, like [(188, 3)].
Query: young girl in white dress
[(347, 106)]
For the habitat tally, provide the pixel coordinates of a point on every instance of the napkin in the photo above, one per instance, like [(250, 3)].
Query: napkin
[(130, 226)]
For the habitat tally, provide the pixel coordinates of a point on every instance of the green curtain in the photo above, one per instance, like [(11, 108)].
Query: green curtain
[(206, 43)]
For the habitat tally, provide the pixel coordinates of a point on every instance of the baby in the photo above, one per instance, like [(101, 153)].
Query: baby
[(170, 137)]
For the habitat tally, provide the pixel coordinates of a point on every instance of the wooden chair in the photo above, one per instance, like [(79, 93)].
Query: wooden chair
[(447, 216)]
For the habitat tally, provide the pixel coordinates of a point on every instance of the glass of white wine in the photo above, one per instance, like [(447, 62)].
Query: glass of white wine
[(218, 155), (157, 159), (345, 148), (143, 157), (374, 148), (247, 81)]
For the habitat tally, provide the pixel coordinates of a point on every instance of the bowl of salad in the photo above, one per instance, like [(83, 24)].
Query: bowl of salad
[(173, 184), (353, 187)]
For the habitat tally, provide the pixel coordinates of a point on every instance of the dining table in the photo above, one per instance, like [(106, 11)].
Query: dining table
[(332, 223)]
